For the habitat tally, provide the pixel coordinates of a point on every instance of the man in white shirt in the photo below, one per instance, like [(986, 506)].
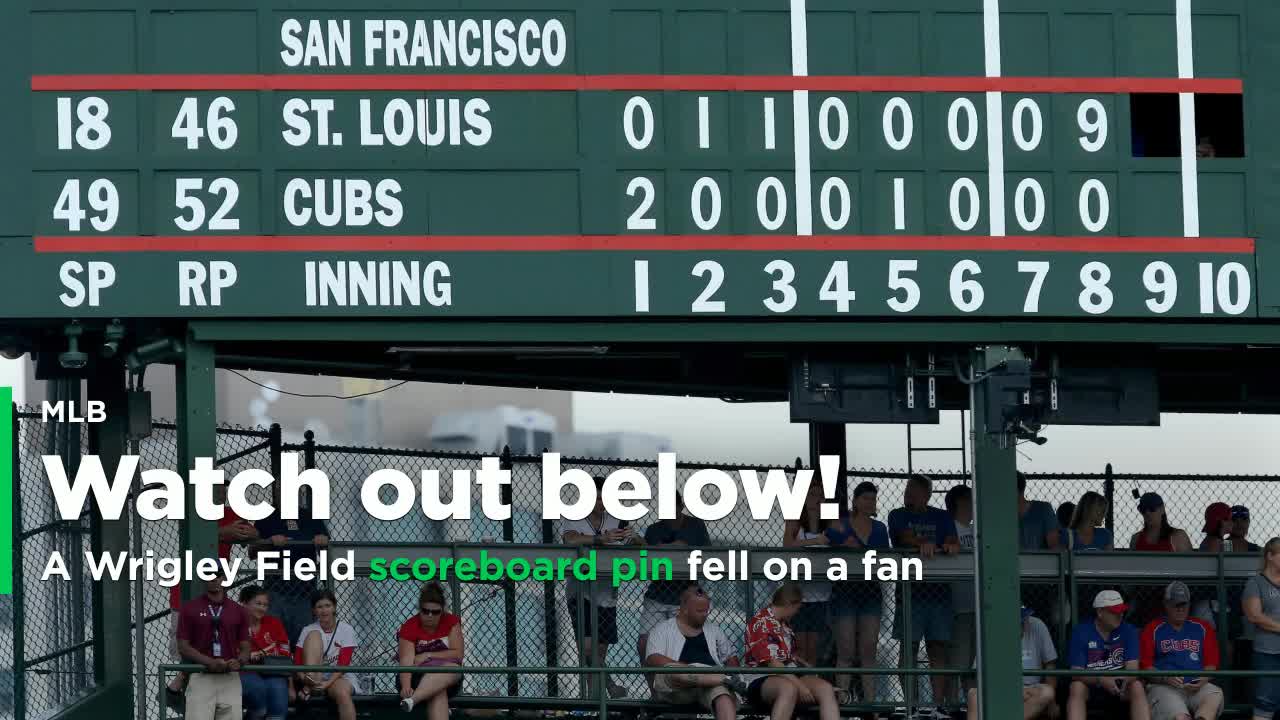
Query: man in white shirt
[(688, 640)]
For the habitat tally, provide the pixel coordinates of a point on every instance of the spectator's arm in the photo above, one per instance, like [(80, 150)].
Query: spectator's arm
[(190, 654), (1212, 544), (1210, 654), (1050, 680), (1133, 540), (1253, 613), (1181, 543), (732, 661), (404, 652), (573, 537), (791, 528), (455, 646), (1051, 539), (660, 660), (1130, 665), (1147, 647)]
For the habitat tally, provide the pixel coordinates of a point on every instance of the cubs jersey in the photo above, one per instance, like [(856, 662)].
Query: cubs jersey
[(1194, 647), (1089, 649)]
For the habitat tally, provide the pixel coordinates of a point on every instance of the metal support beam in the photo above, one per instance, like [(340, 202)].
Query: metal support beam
[(112, 664), (995, 498), (197, 428), (829, 439)]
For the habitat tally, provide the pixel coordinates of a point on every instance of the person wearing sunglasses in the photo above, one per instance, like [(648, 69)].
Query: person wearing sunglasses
[(431, 638)]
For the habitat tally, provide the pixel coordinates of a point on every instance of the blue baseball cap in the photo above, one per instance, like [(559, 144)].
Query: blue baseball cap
[(1026, 612)]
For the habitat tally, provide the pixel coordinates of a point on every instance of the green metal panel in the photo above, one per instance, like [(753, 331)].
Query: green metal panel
[(538, 199)]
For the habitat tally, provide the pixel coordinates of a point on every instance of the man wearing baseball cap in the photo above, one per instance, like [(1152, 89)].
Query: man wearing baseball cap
[(1106, 643), (1179, 642), (1240, 530)]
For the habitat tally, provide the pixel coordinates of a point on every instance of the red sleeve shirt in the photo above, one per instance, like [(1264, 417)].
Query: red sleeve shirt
[(424, 640)]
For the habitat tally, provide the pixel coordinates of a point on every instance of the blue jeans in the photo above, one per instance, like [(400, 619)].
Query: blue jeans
[(1267, 700), (265, 696)]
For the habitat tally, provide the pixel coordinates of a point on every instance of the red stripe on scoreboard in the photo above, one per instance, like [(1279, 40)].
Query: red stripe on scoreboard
[(635, 243), (550, 82)]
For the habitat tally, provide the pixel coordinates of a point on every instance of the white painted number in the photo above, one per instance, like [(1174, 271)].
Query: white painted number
[(709, 220), (93, 132), (714, 273), (966, 293), (1025, 143), (641, 139), (786, 274), (1094, 223), (1230, 276), (909, 288), (1096, 297), (898, 106), (185, 202), (1039, 271), (1092, 118), (222, 129), (968, 220), (833, 141), (1159, 278), (771, 185), (102, 199), (971, 124), (638, 221), (1032, 222), (835, 288), (835, 219), (770, 126), (704, 122)]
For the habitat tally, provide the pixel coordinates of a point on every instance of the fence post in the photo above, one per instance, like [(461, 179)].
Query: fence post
[(19, 611), (275, 446), (551, 619), (1109, 492), (508, 586), (309, 450)]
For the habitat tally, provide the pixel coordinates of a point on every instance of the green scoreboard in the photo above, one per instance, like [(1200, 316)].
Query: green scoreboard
[(886, 159)]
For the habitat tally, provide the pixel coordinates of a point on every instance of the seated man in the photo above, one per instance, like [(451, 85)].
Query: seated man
[(688, 640), (1176, 642), (1038, 653), (1106, 643)]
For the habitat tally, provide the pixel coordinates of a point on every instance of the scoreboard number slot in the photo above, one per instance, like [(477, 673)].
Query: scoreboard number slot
[(187, 198), (87, 127), (101, 197), (219, 126)]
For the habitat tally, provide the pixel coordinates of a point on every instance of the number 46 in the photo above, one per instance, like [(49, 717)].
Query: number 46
[(222, 130)]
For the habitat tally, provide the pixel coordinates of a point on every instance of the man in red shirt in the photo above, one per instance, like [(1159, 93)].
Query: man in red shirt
[(232, 529), (213, 631)]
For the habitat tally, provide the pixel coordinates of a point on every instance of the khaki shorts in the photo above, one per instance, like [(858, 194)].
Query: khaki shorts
[(663, 691), (1168, 703), (214, 696)]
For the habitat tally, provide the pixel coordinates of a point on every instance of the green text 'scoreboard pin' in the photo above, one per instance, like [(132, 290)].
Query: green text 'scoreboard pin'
[(798, 160)]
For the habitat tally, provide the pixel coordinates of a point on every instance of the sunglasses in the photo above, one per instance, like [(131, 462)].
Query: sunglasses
[(431, 611)]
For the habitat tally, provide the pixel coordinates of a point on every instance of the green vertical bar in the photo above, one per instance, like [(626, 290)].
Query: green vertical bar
[(6, 492), (197, 429), (995, 500)]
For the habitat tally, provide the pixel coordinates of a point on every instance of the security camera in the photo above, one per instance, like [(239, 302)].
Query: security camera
[(111, 338)]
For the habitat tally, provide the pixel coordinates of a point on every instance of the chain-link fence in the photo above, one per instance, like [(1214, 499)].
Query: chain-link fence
[(533, 623)]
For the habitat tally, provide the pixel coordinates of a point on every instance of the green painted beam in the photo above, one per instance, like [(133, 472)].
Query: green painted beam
[(378, 331), (995, 499), (107, 439), (197, 428)]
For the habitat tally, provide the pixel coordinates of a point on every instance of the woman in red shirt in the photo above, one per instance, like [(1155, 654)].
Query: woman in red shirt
[(266, 697), (771, 643), (431, 638)]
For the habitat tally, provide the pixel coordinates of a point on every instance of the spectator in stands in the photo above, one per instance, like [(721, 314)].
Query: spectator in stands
[(1157, 535), (771, 643), (661, 600), (928, 530), (598, 628), (266, 697), (1106, 643), (1206, 149), (232, 530), (1240, 530), (1065, 512), (810, 624), (304, 536), (431, 638), (1084, 531), (1262, 609), (332, 642), (857, 605), (1038, 693), (213, 631), (1037, 522), (964, 594), (1177, 642), (1217, 528), (688, 640)]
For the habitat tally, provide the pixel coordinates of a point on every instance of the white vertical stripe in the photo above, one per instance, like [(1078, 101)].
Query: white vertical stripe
[(995, 118), (642, 285), (1187, 125), (800, 119), (704, 122), (899, 204)]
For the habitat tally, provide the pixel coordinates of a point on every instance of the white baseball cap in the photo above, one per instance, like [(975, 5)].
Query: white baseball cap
[(1110, 600)]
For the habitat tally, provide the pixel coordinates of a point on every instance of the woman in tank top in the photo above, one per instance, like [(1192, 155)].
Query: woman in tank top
[(1157, 535), (811, 622)]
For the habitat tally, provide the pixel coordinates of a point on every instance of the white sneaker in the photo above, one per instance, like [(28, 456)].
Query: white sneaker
[(406, 705)]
